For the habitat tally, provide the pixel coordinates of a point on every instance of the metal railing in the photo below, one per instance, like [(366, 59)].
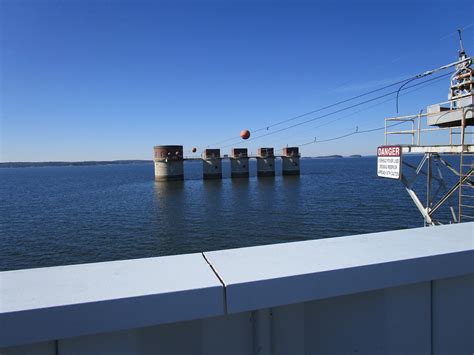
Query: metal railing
[(417, 130), (464, 187), (466, 170)]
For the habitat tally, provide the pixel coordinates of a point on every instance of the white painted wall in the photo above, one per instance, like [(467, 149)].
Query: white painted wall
[(395, 321), (415, 296)]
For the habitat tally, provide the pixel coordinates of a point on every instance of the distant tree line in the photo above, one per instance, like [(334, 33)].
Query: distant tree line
[(70, 163)]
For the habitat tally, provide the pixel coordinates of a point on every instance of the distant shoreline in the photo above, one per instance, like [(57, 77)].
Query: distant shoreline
[(120, 162), (71, 163), (333, 156)]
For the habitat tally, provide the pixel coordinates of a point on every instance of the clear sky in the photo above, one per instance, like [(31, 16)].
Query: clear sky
[(105, 80)]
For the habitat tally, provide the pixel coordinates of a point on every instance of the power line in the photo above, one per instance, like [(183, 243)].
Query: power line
[(403, 82), (350, 134), (318, 110), (429, 72), (373, 129), (377, 104), (342, 109), (455, 32)]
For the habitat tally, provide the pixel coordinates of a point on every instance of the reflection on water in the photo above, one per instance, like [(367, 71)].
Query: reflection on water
[(169, 213)]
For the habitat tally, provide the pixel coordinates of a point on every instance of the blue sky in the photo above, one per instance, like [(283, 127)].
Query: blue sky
[(104, 80)]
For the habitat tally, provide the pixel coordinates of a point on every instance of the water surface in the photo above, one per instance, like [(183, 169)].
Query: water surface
[(69, 215)]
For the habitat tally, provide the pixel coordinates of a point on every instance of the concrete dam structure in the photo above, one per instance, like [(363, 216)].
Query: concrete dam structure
[(265, 162), (290, 161), (212, 164), (169, 162), (239, 163)]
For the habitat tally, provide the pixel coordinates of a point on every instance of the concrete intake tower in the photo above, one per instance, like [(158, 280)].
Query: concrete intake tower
[(169, 162)]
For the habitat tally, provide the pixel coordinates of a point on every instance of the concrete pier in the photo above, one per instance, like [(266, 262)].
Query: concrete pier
[(212, 164), (239, 163), (290, 161), (168, 162), (265, 162)]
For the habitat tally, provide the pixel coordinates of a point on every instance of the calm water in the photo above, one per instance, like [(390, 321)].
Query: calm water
[(68, 215)]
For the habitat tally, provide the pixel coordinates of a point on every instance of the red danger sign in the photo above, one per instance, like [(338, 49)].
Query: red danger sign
[(389, 151), (389, 160)]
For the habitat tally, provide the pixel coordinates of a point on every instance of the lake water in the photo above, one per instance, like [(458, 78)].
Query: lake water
[(68, 215)]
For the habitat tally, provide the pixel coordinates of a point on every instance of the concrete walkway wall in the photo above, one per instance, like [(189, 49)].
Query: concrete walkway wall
[(400, 292)]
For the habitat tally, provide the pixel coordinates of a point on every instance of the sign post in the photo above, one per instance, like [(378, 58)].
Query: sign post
[(389, 161)]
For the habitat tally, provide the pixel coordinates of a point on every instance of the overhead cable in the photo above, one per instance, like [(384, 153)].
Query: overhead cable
[(342, 109), (404, 82), (429, 72), (349, 134), (377, 104)]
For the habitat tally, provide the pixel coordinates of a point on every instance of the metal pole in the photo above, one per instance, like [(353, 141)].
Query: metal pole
[(428, 187), (385, 132), (262, 321), (461, 44), (447, 195), (416, 200), (461, 162), (419, 127)]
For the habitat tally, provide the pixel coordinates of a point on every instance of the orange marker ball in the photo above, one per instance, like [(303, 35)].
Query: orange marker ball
[(245, 134)]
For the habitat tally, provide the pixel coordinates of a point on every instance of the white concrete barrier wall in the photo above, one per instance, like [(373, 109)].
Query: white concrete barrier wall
[(401, 292)]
